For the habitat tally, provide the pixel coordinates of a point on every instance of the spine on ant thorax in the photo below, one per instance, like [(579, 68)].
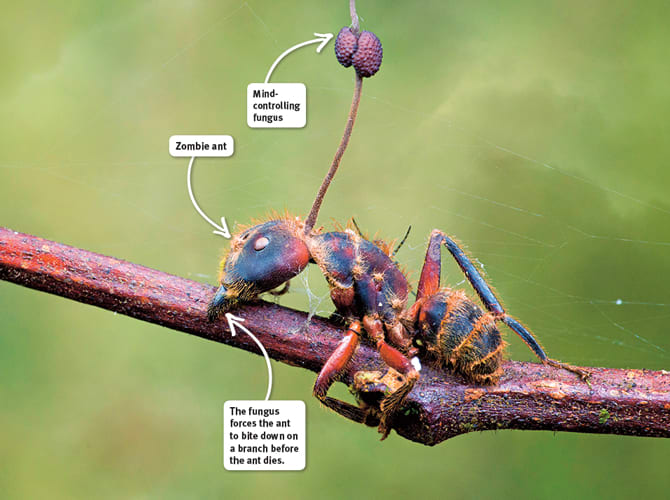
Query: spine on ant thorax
[(363, 279)]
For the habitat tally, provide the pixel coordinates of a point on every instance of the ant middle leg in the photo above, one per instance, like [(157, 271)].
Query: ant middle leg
[(396, 360)]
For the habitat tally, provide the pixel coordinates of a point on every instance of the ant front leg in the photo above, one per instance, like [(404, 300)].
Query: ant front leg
[(334, 366), (429, 283)]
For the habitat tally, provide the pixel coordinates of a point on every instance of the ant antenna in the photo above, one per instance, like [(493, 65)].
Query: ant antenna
[(314, 212), (358, 229), (402, 242)]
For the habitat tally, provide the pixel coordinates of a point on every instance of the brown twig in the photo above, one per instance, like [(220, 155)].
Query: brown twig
[(529, 396)]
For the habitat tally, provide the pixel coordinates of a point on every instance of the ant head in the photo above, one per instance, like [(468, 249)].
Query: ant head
[(260, 259)]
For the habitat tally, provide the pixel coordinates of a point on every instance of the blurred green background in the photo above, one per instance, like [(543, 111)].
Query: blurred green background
[(534, 132)]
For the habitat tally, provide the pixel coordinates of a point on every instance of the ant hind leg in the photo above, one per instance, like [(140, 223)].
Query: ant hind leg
[(530, 341), (429, 283)]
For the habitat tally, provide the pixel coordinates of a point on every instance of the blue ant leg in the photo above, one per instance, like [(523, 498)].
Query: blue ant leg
[(430, 281)]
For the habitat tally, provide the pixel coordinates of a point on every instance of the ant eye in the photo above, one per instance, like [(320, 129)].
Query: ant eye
[(261, 243)]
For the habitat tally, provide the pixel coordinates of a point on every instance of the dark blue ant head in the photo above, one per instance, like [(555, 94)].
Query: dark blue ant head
[(260, 259)]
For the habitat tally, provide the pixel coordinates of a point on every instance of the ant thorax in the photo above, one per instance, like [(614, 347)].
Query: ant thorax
[(363, 278)]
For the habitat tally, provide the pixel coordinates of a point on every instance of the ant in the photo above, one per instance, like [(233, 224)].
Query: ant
[(370, 292)]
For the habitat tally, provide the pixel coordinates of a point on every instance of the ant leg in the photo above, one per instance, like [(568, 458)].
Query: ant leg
[(399, 362), (491, 302), (530, 341), (336, 363), (281, 291), (429, 282), (393, 402), (480, 285)]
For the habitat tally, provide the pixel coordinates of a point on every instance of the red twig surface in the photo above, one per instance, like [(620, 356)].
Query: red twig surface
[(529, 395)]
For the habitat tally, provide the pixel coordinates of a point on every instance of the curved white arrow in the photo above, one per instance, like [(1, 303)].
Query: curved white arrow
[(235, 322), (322, 40), (221, 230)]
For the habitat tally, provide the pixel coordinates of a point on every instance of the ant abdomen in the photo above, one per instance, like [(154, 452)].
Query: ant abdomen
[(461, 336)]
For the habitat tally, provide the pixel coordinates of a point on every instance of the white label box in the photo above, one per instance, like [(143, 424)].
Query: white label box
[(276, 105), (187, 146), (264, 435)]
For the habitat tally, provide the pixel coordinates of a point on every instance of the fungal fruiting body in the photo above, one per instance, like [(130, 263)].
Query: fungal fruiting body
[(363, 51)]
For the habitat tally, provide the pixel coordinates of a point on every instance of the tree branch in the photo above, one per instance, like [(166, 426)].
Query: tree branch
[(529, 395)]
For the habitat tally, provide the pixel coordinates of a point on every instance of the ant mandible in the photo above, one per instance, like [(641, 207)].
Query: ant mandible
[(370, 291)]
